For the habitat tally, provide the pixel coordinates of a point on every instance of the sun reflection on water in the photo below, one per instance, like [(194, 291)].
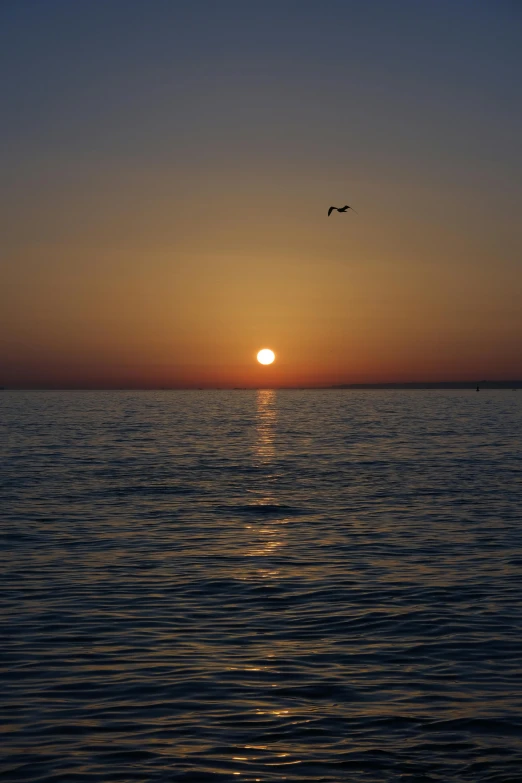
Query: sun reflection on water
[(265, 425), (265, 559), (265, 531)]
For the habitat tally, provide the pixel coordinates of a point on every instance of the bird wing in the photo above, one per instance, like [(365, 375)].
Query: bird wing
[(331, 210), (353, 210)]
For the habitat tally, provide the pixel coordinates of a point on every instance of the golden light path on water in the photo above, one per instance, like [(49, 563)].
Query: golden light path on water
[(264, 541), (269, 535)]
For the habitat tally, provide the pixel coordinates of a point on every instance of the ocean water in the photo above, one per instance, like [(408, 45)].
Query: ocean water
[(261, 586)]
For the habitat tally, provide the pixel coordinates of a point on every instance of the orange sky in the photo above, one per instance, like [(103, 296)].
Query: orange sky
[(158, 229)]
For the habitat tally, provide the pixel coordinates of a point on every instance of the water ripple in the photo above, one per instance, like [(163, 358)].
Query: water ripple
[(263, 586)]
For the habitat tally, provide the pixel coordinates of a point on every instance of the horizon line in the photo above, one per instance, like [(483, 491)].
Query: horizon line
[(414, 385)]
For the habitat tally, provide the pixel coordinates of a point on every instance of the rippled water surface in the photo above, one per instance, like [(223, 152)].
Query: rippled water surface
[(261, 586)]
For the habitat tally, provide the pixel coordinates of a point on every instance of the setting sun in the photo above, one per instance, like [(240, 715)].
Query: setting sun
[(265, 356)]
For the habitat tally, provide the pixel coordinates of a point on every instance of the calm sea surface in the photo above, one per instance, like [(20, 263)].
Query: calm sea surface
[(261, 586)]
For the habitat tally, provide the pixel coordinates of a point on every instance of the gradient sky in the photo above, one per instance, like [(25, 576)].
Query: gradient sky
[(167, 168)]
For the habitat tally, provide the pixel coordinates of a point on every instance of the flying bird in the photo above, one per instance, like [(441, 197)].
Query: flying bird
[(341, 209)]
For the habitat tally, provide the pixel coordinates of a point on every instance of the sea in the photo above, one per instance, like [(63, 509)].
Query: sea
[(265, 585)]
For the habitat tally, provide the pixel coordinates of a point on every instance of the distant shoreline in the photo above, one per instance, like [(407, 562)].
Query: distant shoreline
[(435, 385)]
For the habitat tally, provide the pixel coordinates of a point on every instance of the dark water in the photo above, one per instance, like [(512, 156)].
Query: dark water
[(261, 586)]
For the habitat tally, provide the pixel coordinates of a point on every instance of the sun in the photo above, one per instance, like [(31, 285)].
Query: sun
[(265, 356)]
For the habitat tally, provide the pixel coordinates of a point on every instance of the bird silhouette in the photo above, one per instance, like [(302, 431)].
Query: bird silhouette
[(341, 209)]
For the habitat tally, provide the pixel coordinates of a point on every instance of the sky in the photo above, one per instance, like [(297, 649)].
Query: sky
[(167, 169)]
